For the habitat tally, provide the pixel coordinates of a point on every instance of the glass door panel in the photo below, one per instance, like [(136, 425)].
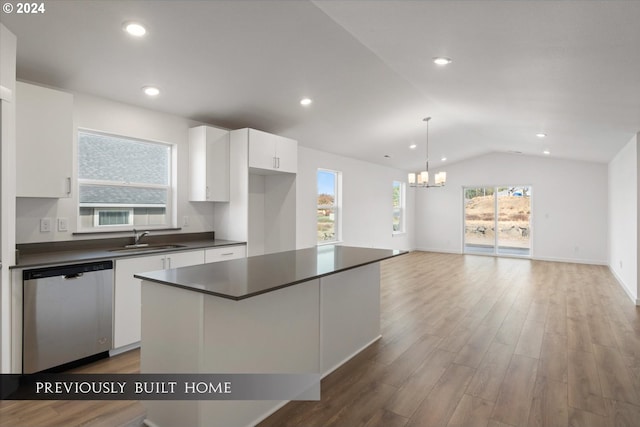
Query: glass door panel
[(514, 220), (479, 220)]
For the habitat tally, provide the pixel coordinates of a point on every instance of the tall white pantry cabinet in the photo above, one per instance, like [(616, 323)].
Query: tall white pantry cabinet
[(262, 204)]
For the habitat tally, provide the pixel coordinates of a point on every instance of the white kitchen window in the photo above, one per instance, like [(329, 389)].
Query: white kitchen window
[(123, 182), (328, 212), (398, 203)]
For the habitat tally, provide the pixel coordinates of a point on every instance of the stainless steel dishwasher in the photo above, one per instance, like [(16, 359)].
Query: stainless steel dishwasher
[(67, 314)]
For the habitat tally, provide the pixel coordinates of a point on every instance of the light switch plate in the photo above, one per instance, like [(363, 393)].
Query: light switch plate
[(63, 224)]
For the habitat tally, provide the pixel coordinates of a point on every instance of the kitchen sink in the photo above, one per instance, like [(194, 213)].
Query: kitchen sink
[(145, 248)]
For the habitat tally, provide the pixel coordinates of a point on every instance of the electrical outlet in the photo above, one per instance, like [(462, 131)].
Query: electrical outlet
[(45, 225), (63, 224)]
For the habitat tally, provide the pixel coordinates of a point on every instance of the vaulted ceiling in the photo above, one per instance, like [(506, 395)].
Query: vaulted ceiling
[(569, 69)]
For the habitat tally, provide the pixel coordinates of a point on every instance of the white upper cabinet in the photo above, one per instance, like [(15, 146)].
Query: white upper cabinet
[(44, 136), (208, 164), (272, 152)]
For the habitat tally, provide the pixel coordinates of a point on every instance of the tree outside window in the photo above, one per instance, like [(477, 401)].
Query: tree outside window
[(328, 215), (398, 203)]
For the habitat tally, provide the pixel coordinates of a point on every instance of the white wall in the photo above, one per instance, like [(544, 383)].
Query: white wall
[(366, 196), (569, 205), (113, 117), (623, 216)]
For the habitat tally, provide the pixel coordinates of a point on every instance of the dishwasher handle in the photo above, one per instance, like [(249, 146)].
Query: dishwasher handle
[(73, 276)]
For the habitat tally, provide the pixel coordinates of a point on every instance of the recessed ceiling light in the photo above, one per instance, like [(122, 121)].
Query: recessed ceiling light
[(413, 146), (135, 29), (441, 60), (444, 159), (306, 101), (151, 90), (386, 156), (541, 135), (547, 152)]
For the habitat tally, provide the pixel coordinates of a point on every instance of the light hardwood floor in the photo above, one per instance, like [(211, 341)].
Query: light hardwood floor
[(76, 413), (482, 341), (467, 341)]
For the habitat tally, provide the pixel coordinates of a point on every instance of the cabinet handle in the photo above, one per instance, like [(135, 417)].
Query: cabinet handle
[(68, 185), (278, 162), (163, 260), (275, 163), (227, 254), (169, 258)]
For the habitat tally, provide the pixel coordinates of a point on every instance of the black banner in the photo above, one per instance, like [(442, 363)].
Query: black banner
[(160, 387)]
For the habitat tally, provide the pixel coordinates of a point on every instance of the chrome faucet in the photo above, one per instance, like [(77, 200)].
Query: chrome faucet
[(137, 237)]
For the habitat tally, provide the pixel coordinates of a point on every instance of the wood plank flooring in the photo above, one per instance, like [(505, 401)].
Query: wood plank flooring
[(467, 341), (71, 413), (481, 341)]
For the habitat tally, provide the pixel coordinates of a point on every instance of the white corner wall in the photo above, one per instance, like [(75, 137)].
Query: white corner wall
[(114, 117), (569, 205), (366, 196), (623, 217)]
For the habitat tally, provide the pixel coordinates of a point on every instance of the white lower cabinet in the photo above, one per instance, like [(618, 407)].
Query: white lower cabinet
[(127, 294), (224, 254)]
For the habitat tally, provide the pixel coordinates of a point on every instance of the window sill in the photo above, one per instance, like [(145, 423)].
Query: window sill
[(332, 242), (398, 233)]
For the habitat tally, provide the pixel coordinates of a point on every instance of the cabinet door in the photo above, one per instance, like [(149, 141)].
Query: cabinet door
[(224, 254), (127, 300), (208, 164), (287, 155), (44, 136), (127, 297), (184, 259), (262, 150)]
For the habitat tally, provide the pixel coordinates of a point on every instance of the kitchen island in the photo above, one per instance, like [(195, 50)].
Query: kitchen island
[(303, 311)]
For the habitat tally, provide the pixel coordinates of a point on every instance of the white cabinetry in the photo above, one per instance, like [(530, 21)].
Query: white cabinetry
[(208, 164), (272, 152), (224, 253), (127, 295), (262, 208), (44, 136)]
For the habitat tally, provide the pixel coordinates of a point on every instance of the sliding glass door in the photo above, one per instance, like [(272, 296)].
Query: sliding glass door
[(497, 220)]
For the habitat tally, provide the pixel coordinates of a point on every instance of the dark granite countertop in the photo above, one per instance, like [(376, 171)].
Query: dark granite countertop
[(55, 253), (247, 277)]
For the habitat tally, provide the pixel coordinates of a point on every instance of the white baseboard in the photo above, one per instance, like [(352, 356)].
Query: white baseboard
[(571, 260), (124, 349), (284, 402), (444, 251), (351, 356), (624, 286)]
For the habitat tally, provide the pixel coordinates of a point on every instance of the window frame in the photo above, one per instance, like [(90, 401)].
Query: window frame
[(403, 208), (336, 207), (170, 214)]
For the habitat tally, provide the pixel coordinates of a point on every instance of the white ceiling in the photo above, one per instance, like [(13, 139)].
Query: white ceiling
[(570, 69)]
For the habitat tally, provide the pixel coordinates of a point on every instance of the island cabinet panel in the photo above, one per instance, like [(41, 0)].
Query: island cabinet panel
[(127, 296), (277, 332), (350, 313)]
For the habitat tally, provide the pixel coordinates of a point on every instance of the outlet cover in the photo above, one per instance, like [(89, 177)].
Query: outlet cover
[(45, 225), (63, 224)]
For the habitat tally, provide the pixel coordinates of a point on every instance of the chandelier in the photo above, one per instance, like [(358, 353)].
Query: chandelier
[(421, 179)]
